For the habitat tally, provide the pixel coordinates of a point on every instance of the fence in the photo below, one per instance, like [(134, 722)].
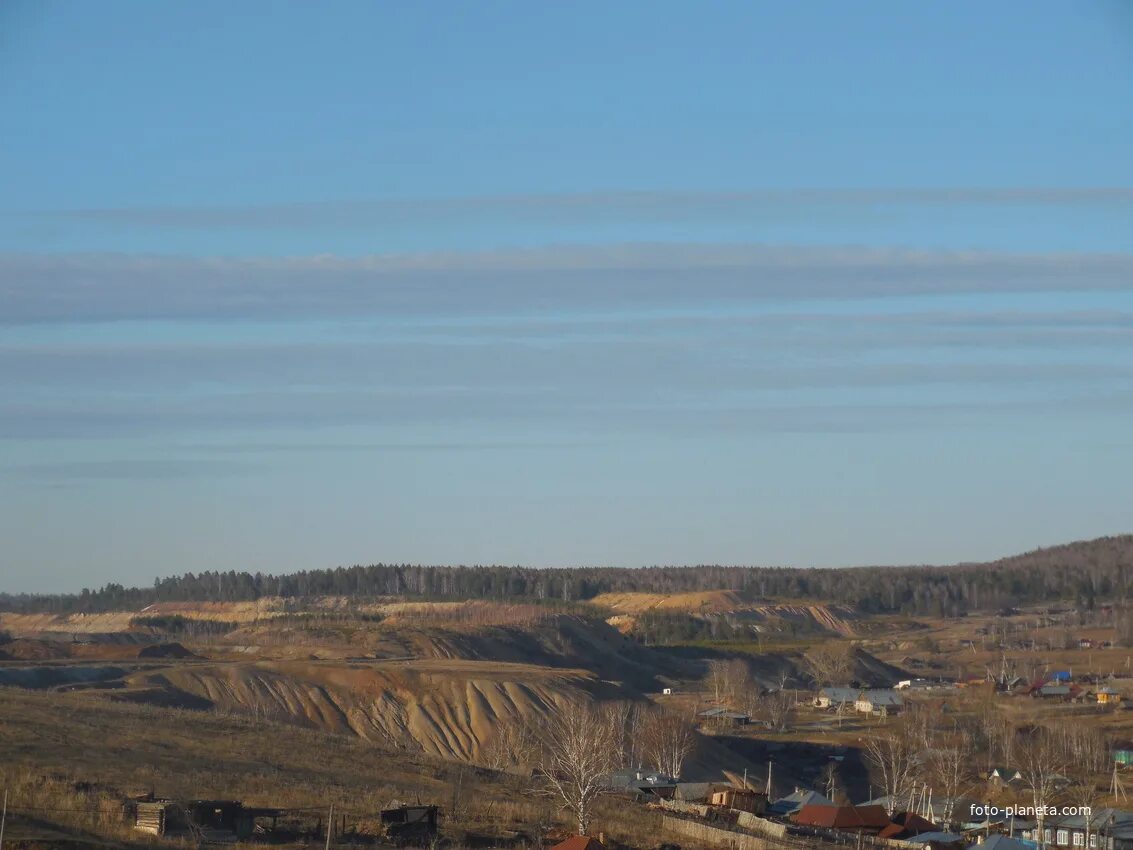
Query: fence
[(680, 806), (727, 838), (773, 836), (757, 824)]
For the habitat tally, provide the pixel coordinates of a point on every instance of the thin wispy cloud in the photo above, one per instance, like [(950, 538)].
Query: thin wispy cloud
[(650, 204), (163, 469), (110, 287)]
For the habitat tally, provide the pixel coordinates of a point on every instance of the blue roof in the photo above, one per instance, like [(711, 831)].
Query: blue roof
[(1000, 842), (940, 837), (795, 801)]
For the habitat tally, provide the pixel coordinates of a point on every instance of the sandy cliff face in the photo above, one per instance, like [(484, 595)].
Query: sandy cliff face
[(627, 606), (445, 708)]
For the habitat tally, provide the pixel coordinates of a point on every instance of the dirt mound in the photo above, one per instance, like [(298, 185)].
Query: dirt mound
[(708, 602), (30, 649), (441, 707), (806, 618), (830, 618), (166, 650), (238, 612), (31, 624), (558, 641), (872, 670)]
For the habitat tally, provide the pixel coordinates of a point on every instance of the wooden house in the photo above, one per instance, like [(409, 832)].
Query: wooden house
[(741, 799), (724, 717), (867, 819), (881, 703), (1109, 696), (836, 697), (1001, 777)]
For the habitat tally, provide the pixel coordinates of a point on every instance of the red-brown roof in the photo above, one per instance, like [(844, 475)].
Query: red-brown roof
[(580, 842), (905, 824), (843, 817)]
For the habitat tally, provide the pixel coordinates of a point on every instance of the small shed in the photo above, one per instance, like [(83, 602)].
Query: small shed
[(741, 799), (217, 819), (410, 823)]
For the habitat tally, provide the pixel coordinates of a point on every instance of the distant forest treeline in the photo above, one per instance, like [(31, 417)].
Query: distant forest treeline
[(1085, 573)]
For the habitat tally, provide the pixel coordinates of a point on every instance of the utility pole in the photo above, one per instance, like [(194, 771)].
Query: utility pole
[(3, 819), (768, 788), (330, 825)]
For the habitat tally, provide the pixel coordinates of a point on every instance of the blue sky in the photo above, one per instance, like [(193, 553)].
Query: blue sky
[(287, 286)]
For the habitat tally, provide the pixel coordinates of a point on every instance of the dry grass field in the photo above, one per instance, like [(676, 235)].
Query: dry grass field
[(301, 704)]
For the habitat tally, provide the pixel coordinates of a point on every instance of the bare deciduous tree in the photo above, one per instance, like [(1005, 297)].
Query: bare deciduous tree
[(1040, 763), (718, 679), (830, 663), (667, 739), (776, 709), (917, 723), (619, 715), (949, 764), (895, 762), (830, 778), (511, 746), (577, 752)]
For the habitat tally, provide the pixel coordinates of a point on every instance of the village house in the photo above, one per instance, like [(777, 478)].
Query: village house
[(881, 703), (867, 820), (1001, 777), (1106, 829), (740, 799), (1108, 696), (943, 841), (923, 685), (905, 825), (724, 717), (836, 697), (1054, 690), (694, 792), (937, 809), (1001, 842), (642, 784), (796, 800)]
